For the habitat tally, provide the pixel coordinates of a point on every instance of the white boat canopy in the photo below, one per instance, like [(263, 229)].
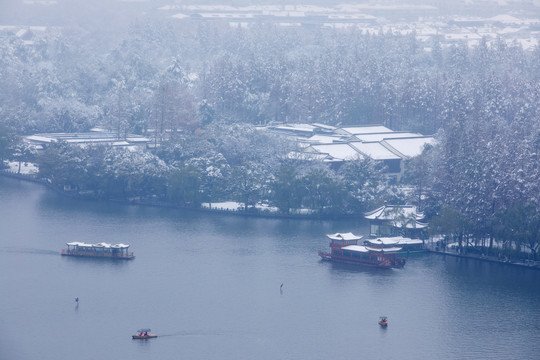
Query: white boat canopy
[(409, 241), (344, 236), (100, 245), (356, 248), (395, 240), (384, 241), (366, 249), (78, 243), (386, 250), (120, 246)]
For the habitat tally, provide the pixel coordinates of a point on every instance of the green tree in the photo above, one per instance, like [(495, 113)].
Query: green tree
[(287, 190), (450, 223), (520, 225), (214, 173), (184, 187), (23, 153), (133, 173), (323, 192), (362, 180), (248, 181), (7, 139), (64, 165)]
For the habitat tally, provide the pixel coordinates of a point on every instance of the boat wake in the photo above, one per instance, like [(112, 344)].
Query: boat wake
[(192, 333), (28, 251)]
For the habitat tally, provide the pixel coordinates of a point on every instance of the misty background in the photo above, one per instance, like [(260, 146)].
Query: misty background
[(200, 79)]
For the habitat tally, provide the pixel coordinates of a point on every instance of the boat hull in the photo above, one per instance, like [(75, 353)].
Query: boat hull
[(96, 256), (386, 264), (149, 336)]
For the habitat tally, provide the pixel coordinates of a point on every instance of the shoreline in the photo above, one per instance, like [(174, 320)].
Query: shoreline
[(142, 202), (492, 259), (27, 177)]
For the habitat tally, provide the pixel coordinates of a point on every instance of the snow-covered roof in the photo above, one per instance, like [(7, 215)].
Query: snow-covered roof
[(408, 147), (338, 151), (325, 127), (40, 138), (374, 150), (389, 212), (527, 44), (226, 15), (324, 139), (344, 236), (138, 139), (94, 137), (120, 143), (400, 215), (178, 16), (305, 129), (416, 225), (504, 19), (385, 135), (364, 130), (98, 129), (358, 16)]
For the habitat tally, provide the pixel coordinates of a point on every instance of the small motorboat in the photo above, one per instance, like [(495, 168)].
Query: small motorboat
[(383, 321), (144, 334)]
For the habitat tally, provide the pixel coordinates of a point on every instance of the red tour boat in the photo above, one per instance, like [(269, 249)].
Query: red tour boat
[(344, 248)]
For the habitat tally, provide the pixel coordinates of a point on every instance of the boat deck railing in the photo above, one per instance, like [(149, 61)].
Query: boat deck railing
[(97, 254)]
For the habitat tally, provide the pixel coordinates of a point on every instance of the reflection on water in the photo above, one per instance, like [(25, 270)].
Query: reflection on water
[(210, 287)]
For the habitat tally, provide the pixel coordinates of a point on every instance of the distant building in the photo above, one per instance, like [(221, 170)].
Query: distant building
[(391, 149), (96, 137), (352, 150), (396, 220), (516, 20), (362, 130)]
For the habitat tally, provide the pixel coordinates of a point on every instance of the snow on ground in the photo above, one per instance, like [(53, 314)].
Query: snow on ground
[(228, 205), (26, 168), (235, 206)]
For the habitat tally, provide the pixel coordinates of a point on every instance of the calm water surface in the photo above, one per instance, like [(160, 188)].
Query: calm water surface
[(209, 285)]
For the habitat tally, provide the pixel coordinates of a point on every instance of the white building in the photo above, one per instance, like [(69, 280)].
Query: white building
[(335, 145), (132, 142)]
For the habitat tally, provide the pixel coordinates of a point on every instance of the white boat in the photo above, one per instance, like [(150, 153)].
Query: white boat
[(100, 250)]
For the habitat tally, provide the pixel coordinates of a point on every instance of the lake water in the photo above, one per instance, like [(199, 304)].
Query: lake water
[(209, 286)]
